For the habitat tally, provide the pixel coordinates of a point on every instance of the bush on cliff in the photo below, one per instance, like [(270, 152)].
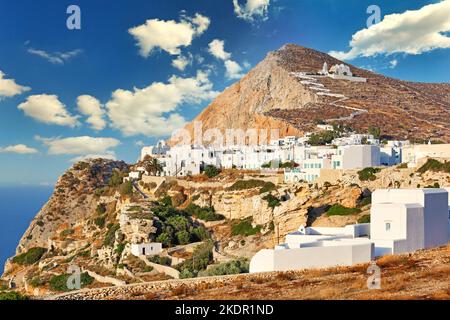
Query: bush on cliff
[(211, 171), (340, 210), (368, 174), (59, 283), (230, 267), (244, 228), (30, 257), (435, 166), (246, 184), (12, 295), (203, 213)]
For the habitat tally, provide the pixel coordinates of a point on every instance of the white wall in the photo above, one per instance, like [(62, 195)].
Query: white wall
[(150, 249), (329, 254), (435, 203)]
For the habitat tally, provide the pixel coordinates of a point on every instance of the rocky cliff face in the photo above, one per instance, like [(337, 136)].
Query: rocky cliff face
[(271, 96), (91, 220), (72, 203)]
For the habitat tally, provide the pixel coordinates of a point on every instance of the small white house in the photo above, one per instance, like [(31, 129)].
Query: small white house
[(405, 220), (317, 248), (402, 220), (356, 157), (146, 249)]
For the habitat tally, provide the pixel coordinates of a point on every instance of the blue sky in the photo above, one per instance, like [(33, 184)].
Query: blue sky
[(123, 45)]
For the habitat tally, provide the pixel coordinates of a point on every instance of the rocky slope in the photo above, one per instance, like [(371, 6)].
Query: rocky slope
[(423, 275), (94, 215), (271, 97)]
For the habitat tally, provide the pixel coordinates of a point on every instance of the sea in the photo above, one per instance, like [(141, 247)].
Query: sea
[(18, 206)]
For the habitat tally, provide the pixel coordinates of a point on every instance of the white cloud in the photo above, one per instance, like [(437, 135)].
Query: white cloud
[(91, 107), (18, 148), (169, 35), (181, 62), (151, 110), (233, 70), (252, 9), (393, 63), (110, 156), (411, 32), (57, 57), (9, 87), (48, 109), (216, 48), (83, 146)]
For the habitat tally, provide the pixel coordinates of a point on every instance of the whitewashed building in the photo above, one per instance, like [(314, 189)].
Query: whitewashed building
[(316, 248), (415, 154), (146, 249), (356, 157), (405, 220), (402, 220)]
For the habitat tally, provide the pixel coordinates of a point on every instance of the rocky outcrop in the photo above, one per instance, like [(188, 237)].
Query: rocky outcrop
[(270, 96), (72, 202)]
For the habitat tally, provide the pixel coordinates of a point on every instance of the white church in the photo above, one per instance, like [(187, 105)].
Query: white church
[(402, 220)]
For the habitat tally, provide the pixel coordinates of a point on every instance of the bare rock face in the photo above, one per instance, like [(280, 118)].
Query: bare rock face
[(271, 96), (72, 202)]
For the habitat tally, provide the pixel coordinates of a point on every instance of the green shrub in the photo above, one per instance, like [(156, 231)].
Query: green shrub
[(40, 223), (272, 201), (166, 201), (119, 249), (183, 237), (165, 238), (101, 209), (203, 213), (247, 184), (99, 222), (433, 186), (37, 282), (12, 295), (322, 138), (201, 233), (267, 187), (30, 257), (367, 174), (81, 166), (99, 192), (435, 166), (126, 188), (211, 171), (59, 283), (340, 210), (165, 261), (116, 179), (230, 267), (364, 219), (244, 228), (375, 131), (201, 258), (110, 236)]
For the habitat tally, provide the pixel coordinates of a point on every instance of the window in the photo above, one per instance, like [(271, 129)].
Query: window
[(388, 226)]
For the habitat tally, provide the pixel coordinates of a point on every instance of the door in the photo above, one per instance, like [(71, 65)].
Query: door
[(143, 251)]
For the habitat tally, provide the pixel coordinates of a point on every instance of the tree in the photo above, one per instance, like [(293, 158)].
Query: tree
[(375, 131), (152, 165), (211, 171)]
